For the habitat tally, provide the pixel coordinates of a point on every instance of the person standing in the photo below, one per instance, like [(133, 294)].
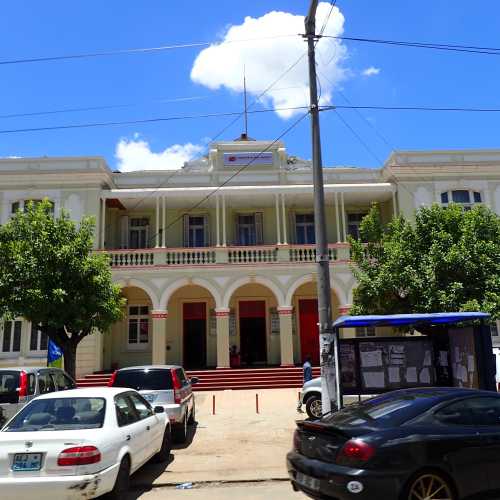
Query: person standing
[(307, 373)]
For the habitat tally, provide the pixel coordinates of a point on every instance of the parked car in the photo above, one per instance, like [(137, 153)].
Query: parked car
[(310, 395), (80, 443), (410, 444), (165, 385), (19, 385)]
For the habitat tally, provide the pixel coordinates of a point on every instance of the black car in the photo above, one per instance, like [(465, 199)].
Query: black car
[(413, 444)]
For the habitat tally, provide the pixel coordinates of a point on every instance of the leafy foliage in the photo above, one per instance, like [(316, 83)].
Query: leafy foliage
[(50, 276), (448, 260)]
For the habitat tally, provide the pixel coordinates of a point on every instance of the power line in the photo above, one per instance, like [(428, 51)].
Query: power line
[(142, 50), (416, 108)]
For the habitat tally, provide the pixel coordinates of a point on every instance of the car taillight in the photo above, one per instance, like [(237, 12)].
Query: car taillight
[(354, 452), (177, 387), (79, 455), (112, 379), (23, 385), (296, 441)]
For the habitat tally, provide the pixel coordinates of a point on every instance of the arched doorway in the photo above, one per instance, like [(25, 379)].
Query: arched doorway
[(252, 328), (191, 330), (305, 303)]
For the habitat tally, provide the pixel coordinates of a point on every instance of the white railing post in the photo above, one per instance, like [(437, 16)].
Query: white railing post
[(278, 229)]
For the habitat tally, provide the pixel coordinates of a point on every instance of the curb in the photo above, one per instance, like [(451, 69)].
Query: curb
[(170, 484)]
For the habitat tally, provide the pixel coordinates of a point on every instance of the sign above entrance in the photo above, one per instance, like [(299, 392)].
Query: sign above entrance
[(242, 159)]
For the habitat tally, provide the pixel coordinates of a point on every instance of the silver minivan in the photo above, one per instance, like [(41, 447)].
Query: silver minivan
[(163, 385), (19, 385)]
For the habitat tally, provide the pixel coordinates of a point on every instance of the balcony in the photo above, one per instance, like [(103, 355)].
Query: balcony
[(226, 256)]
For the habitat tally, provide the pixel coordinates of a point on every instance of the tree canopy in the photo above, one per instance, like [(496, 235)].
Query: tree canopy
[(50, 276), (447, 260)]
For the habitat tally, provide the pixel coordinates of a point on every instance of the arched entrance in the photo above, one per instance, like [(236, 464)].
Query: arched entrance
[(191, 330), (305, 303), (252, 329)]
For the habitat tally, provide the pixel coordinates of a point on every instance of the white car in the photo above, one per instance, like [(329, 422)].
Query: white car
[(80, 443)]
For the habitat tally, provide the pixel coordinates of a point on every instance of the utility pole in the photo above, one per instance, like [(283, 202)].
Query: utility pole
[(327, 342)]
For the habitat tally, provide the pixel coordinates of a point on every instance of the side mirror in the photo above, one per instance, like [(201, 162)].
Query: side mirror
[(194, 380), (159, 409)]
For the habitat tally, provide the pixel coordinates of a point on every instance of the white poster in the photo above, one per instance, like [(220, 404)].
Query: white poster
[(411, 375), (471, 365), (427, 358), (374, 379), (394, 377), (371, 359), (443, 358), (425, 376)]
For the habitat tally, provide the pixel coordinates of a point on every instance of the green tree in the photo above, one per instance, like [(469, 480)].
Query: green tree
[(50, 276), (447, 260)]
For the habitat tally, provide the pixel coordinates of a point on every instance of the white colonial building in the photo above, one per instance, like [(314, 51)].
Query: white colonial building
[(221, 253)]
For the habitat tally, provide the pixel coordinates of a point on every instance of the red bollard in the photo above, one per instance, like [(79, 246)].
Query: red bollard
[(256, 403), (213, 404)]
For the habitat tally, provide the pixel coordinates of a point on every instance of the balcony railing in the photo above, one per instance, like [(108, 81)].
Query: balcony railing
[(199, 257)]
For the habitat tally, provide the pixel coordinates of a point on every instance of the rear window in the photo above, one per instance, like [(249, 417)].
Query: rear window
[(144, 380), (9, 384), (386, 410), (59, 414)]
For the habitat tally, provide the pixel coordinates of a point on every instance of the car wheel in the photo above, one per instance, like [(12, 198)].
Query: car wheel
[(192, 417), (166, 446), (429, 485), (313, 406), (180, 431), (122, 483)]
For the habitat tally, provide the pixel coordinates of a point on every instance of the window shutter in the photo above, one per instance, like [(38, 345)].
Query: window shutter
[(124, 232), (186, 230), (206, 231), (259, 230)]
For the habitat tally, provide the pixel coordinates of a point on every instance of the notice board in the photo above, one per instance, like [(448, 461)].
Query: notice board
[(463, 358)]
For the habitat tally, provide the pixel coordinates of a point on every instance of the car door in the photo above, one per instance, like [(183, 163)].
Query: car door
[(45, 382), (131, 428), (151, 425)]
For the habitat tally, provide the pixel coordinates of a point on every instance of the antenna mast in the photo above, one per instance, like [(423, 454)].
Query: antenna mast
[(245, 100)]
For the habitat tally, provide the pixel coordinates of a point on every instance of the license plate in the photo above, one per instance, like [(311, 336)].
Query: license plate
[(27, 461), (307, 481)]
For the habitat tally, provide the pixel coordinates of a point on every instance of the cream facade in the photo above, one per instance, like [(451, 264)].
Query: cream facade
[(220, 255)]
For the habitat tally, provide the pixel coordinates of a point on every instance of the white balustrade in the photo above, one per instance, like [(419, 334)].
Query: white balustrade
[(252, 255)]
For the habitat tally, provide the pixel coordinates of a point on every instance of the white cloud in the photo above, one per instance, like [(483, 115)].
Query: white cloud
[(136, 155), (266, 59), (371, 71)]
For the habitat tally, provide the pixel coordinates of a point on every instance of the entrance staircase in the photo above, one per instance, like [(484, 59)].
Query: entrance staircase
[(241, 378)]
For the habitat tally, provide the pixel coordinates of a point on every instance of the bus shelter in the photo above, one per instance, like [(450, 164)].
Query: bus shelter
[(439, 349)]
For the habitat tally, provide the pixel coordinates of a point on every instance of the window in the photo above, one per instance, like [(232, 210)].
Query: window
[(23, 205), (195, 231), (62, 382), (38, 339), (45, 383), (483, 411), (11, 341), (125, 412), (353, 223), (144, 380), (249, 229), (138, 326), (139, 233), (464, 197), (304, 228), (365, 331), (31, 384), (141, 406)]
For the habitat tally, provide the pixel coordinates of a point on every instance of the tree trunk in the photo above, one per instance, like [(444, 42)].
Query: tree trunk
[(69, 351)]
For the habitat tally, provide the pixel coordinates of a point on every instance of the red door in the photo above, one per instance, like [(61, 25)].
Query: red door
[(309, 331), (195, 333)]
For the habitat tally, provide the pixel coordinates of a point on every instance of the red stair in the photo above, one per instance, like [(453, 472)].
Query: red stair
[(213, 380)]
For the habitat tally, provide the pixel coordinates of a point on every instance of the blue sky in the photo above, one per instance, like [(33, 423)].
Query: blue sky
[(406, 77)]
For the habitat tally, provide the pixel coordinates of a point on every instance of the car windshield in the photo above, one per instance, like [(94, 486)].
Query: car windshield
[(9, 383), (386, 410), (59, 414), (144, 380)]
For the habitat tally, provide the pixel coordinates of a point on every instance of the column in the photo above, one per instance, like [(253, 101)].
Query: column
[(222, 319), (342, 205), (284, 219), (157, 232), (337, 215), (224, 239), (164, 220), (394, 206), (103, 223), (159, 337), (278, 229), (217, 220), (286, 335)]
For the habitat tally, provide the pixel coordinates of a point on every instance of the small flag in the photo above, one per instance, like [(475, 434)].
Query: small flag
[(54, 355)]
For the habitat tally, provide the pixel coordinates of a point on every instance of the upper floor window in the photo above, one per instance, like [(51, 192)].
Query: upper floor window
[(139, 232), (38, 339), (304, 229), (354, 223), (11, 336), (365, 331), (195, 231), (138, 327), (23, 205), (249, 229), (463, 197)]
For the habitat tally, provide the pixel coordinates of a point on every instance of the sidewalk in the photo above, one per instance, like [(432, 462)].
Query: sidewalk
[(236, 443)]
